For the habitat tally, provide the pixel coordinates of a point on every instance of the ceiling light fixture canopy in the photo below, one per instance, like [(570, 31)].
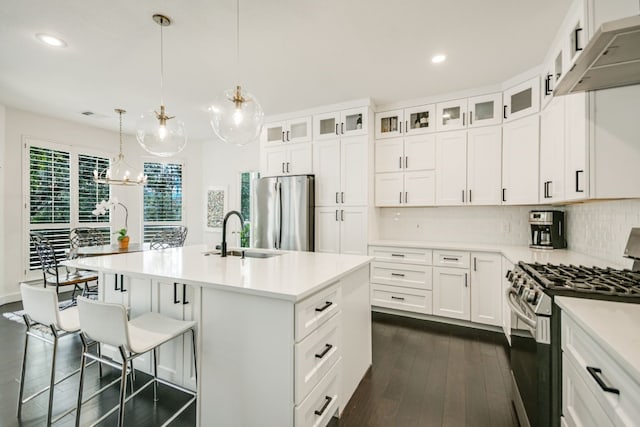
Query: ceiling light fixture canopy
[(119, 171), (157, 132), (437, 59), (51, 40), (235, 115)]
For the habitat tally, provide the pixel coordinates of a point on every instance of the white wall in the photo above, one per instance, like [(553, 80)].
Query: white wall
[(2, 191), (474, 224), (601, 229), (221, 167), (21, 123)]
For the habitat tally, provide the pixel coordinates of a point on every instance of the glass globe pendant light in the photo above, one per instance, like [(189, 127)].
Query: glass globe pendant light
[(157, 132), (119, 172), (236, 115)]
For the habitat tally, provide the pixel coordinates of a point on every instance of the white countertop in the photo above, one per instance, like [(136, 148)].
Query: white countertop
[(512, 253), (291, 276), (613, 325)]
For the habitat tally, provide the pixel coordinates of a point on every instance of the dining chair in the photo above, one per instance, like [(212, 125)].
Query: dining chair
[(52, 272), (173, 237)]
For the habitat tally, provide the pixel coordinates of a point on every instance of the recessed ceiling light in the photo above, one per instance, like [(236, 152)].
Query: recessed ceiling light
[(51, 40), (436, 59)]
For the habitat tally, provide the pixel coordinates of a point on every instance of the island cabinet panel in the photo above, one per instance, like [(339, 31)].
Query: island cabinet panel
[(315, 310)]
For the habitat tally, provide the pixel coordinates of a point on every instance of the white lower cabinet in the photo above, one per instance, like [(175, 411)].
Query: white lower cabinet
[(175, 358), (341, 229), (451, 293), (321, 404), (506, 310), (401, 298), (486, 288)]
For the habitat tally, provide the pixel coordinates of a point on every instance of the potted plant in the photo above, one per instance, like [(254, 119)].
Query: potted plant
[(123, 239), (104, 207)]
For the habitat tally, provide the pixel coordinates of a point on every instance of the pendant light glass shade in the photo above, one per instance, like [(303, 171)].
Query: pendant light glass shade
[(236, 117), (119, 171), (161, 135), (157, 132)]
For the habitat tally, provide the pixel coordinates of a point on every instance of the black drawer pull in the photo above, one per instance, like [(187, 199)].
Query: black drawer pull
[(327, 347), (400, 255), (184, 293), (328, 400), (450, 259), (397, 274), (122, 289), (398, 298), (325, 306), (116, 288), (594, 373), (175, 293)]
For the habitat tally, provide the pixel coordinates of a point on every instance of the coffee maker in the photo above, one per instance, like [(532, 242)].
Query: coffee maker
[(547, 230)]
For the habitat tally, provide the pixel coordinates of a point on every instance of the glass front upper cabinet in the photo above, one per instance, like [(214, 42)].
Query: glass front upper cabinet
[(296, 130), (389, 124), (484, 110), (521, 100), (342, 123), (418, 120), (452, 115)]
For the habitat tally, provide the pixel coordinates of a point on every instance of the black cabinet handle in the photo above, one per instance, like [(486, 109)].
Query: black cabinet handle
[(397, 274), (400, 162), (400, 127), (184, 291), (175, 293), (504, 191), (577, 46), (283, 140), (400, 199), (337, 198), (122, 289), (337, 129), (325, 306), (470, 118), (462, 196), (327, 347), (282, 167), (504, 112), (463, 124), (547, 85), (342, 215), (328, 400), (398, 298), (594, 373), (115, 278), (446, 258), (406, 125), (406, 162), (342, 128), (342, 196), (406, 197), (400, 255), (466, 281), (337, 215), (578, 190), (469, 196), (475, 264)]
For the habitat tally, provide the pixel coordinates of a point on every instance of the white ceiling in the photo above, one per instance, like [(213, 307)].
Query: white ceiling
[(295, 54)]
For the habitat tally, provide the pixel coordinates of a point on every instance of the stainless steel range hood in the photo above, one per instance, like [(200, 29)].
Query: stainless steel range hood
[(610, 59)]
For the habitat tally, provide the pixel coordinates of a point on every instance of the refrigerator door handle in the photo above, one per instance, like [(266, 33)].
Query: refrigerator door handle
[(279, 231)]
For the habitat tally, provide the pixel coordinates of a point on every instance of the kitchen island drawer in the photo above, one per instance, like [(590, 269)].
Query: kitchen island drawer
[(318, 408), (614, 389), (456, 259), (315, 355), (401, 255), (401, 298), (313, 311), (412, 276)]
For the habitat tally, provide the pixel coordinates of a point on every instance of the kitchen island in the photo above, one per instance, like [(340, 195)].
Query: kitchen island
[(283, 338)]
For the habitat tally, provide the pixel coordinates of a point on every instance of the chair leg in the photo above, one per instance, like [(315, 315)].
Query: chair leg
[(99, 351), (195, 364), (155, 374), (83, 361), (53, 373), (24, 366), (123, 386)]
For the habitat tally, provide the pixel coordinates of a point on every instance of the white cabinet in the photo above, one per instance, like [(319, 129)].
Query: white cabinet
[(405, 188), (341, 170), (451, 169), (520, 154), (298, 130), (576, 146), (410, 121), (552, 143), (506, 310), (451, 291), (405, 154), (485, 110), (175, 358), (286, 159), (486, 288), (351, 122), (575, 33), (469, 167), (521, 100), (341, 230), (451, 115)]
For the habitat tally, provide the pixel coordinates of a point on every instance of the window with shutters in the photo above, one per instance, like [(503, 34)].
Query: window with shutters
[(60, 195), (246, 205), (163, 198)]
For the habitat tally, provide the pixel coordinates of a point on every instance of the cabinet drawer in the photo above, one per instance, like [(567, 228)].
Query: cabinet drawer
[(583, 351), (401, 298), (315, 355), (455, 259), (315, 310), (412, 276), (401, 255), (318, 408)]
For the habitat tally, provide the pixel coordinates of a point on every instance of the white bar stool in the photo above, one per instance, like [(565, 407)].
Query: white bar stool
[(41, 307), (107, 323)]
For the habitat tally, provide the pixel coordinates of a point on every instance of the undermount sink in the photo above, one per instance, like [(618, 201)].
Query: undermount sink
[(247, 254)]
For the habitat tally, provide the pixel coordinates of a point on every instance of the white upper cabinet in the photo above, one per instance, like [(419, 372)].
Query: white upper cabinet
[(484, 165), (297, 130), (553, 71), (405, 188), (389, 155), (552, 144), (521, 100), (575, 34), (326, 167), (287, 159), (520, 155), (451, 170), (451, 115), (420, 153), (485, 110), (351, 122), (419, 120), (576, 145), (389, 124)]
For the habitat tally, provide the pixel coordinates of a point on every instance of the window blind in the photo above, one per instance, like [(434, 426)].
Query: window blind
[(162, 197), (49, 186), (90, 193)]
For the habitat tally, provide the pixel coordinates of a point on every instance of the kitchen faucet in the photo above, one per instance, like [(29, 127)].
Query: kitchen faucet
[(223, 246)]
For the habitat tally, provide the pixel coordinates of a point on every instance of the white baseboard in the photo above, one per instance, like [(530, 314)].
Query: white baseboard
[(437, 319), (6, 299)]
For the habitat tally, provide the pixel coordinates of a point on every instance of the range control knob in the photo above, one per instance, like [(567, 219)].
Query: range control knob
[(532, 296)]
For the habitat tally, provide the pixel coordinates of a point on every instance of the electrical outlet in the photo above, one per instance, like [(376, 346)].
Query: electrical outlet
[(506, 227)]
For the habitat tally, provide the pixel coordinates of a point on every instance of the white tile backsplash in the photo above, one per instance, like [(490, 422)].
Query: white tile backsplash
[(474, 224), (601, 228)]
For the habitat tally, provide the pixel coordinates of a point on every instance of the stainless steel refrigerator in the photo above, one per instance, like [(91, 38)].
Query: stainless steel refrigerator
[(283, 213)]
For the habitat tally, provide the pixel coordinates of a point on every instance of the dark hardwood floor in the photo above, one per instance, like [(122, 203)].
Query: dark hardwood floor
[(423, 374)]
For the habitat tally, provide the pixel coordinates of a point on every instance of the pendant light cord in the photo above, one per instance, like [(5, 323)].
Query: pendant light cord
[(120, 156), (161, 62), (237, 37)]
